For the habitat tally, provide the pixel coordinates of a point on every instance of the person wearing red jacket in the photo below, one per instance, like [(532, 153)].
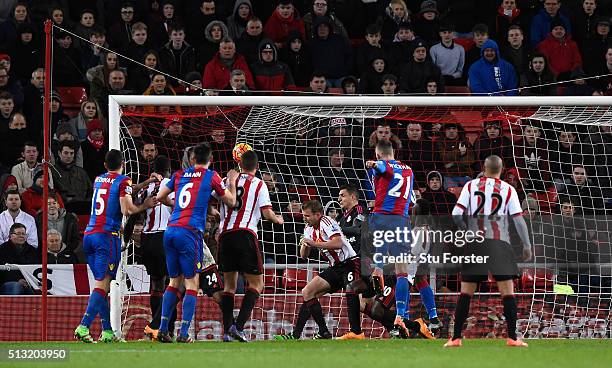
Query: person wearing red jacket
[(271, 74), (561, 52), (282, 22), (32, 198), (217, 71)]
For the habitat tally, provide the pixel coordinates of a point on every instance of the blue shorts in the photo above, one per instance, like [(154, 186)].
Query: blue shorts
[(103, 252), (184, 251), (380, 225)]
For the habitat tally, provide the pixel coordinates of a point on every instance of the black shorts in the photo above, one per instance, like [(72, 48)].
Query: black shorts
[(239, 252), (210, 280), (342, 274), (501, 262), (153, 255), (387, 298)]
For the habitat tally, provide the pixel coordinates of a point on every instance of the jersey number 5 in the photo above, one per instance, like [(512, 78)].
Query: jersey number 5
[(100, 205), (395, 191)]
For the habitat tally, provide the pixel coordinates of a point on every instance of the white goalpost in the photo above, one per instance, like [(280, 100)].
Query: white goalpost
[(309, 146)]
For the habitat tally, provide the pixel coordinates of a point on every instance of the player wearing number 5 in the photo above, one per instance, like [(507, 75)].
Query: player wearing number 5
[(393, 189), (101, 243), (193, 188), (239, 246)]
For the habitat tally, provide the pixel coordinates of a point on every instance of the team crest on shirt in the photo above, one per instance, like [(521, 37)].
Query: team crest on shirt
[(111, 266), (199, 265), (128, 188)]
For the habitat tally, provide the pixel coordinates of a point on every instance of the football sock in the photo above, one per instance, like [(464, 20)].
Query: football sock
[(93, 306), (510, 314), (104, 311), (402, 296), (303, 316), (155, 301), (227, 308), (352, 301), (248, 303), (461, 314), (189, 304), (169, 302), (427, 298), (317, 314)]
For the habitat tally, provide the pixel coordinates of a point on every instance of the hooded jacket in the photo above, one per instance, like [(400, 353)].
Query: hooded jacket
[(500, 146), (217, 73), (278, 28), (492, 77), (299, 62), (235, 24), (562, 55), (332, 55), (207, 48), (274, 75), (371, 80), (442, 201)]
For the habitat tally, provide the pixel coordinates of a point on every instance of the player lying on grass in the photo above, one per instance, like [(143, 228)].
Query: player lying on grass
[(102, 245), (488, 202), (183, 244), (324, 234)]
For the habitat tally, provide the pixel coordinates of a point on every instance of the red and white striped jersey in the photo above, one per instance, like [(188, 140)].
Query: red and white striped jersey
[(489, 202), (328, 229), (252, 197), (156, 219)]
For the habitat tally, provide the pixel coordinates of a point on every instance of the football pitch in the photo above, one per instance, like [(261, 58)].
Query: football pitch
[(332, 354)]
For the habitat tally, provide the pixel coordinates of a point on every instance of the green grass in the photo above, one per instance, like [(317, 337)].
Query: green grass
[(328, 354)]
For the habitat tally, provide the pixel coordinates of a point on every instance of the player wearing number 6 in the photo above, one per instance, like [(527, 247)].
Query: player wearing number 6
[(193, 188), (393, 188), (101, 243)]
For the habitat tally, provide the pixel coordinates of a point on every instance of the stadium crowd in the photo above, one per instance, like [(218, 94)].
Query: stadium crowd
[(208, 47)]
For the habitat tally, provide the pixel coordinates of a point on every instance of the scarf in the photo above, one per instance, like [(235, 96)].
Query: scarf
[(96, 143)]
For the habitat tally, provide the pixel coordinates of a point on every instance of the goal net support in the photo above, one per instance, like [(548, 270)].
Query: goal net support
[(556, 152)]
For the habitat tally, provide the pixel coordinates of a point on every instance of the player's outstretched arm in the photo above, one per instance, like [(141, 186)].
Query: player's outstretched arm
[(140, 186), (333, 243), (162, 196), (128, 207), (229, 198), (269, 215)]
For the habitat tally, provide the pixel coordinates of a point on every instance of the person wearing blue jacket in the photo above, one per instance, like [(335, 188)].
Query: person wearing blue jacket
[(492, 74), (540, 25)]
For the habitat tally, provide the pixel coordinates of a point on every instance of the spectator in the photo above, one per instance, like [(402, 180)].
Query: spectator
[(16, 250), (284, 20), (13, 139), (330, 52), (141, 77), (161, 27), (92, 53), (94, 149), (441, 200), (336, 172), (562, 53), (56, 14), (297, 56), (318, 83), (159, 87), (579, 86), (531, 158), (382, 133), (32, 106), (8, 29), (116, 86), (427, 25), (26, 50), (492, 74), (32, 198), (88, 112), (249, 41), (198, 20), (401, 46), (135, 131), (74, 9), (138, 46), (67, 67), (513, 178), (177, 57), (509, 15), (369, 49), (540, 80), (516, 51), (237, 22), (415, 73), (237, 85), (24, 172), (371, 80), (601, 139), (593, 50), (174, 140), (586, 196), (493, 142), (566, 152), (120, 33), (148, 154), (7, 109), (457, 156), (449, 56), (98, 75), (13, 214), (57, 111), (389, 84), (57, 250), (320, 8), (419, 153), (395, 14), (5, 9), (222, 146), (472, 54), (7, 183), (217, 71), (541, 23), (269, 73), (85, 26), (72, 182), (193, 87), (349, 85), (65, 132), (585, 22), (11, 86)]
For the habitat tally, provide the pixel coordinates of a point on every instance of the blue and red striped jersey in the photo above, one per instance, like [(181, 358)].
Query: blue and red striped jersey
[(106, 213), (393, 187), (193, 188)]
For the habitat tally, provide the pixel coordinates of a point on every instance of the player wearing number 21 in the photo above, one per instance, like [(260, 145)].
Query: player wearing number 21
[(101, 243), (183, 239), (393, 189)]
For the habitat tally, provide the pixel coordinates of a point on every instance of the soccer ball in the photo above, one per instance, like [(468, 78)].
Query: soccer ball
[(239, 150)]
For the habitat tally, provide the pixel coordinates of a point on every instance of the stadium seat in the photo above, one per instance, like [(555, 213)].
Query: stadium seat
[(72, 97), (270, 280), (464, 90), (455, 190), (82, 221), (471, 121), (294, 278), (547, 200), (306, 193)]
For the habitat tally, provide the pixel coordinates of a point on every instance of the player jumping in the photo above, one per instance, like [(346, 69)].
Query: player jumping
[(183, 237), (488, 202), (102, 244), (323, 233), (239, 246)]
